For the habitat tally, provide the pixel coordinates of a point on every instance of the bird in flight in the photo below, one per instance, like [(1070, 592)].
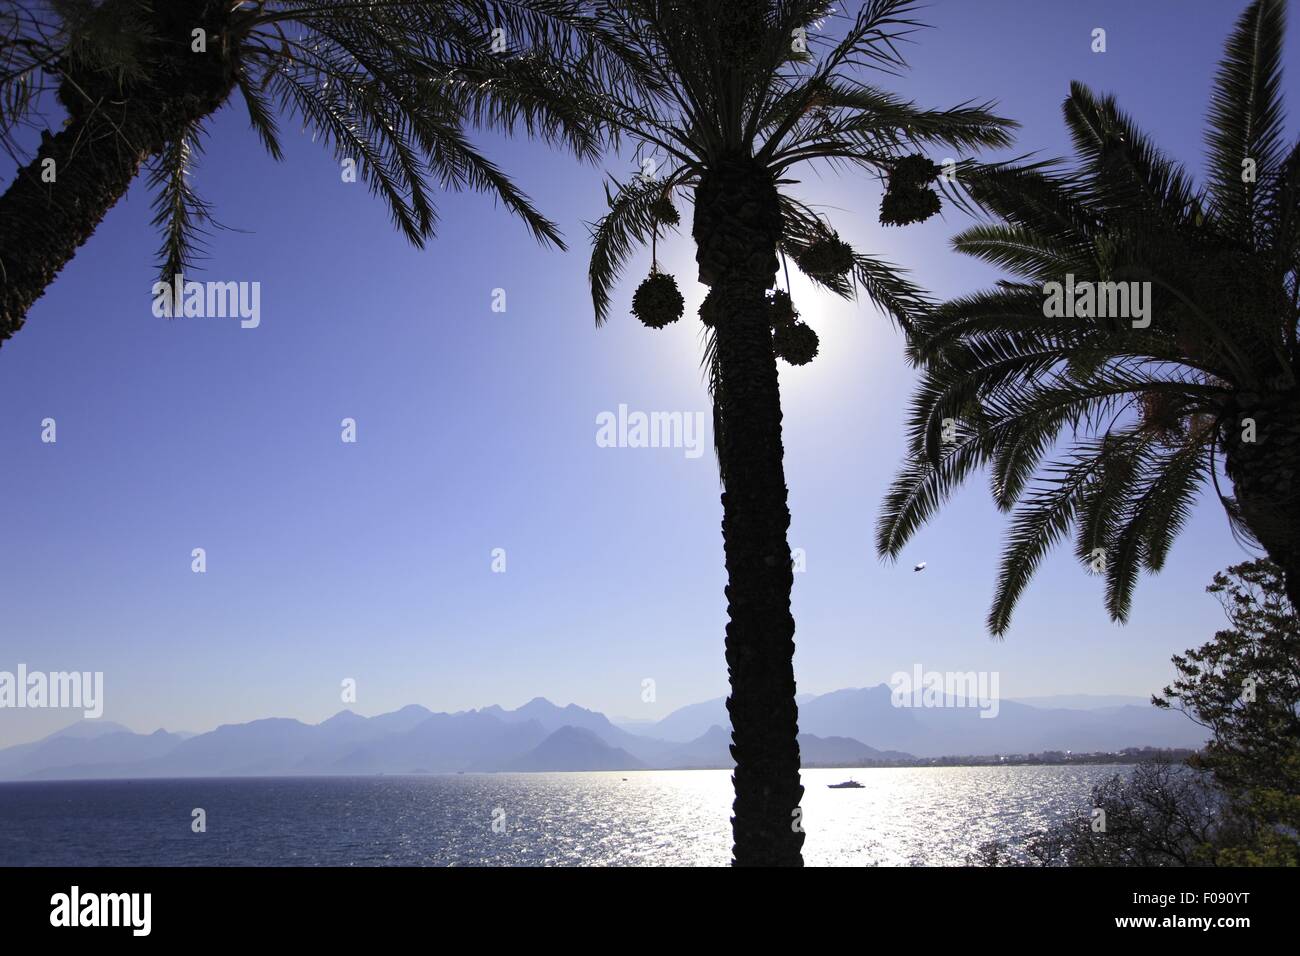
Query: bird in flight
[(919, 567)]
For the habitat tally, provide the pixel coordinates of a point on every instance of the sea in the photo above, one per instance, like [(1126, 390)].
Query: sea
[(900, 817)]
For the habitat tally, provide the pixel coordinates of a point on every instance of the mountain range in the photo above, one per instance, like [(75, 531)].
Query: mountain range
[(542, 736)]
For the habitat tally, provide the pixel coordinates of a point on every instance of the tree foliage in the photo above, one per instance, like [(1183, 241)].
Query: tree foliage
[(394, 86), (1237, 802), (1093, 426), (686, 83)]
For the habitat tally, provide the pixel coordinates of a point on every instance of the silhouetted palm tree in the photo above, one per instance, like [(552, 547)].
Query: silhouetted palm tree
[(730, 96), (390, 84), (1145, 413)]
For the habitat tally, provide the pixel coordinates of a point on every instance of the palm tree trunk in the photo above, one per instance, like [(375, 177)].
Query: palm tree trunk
[(43, 224), (736, 229), (1265, 476)]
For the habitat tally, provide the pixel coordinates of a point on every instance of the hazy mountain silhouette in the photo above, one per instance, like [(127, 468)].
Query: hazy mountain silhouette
[(80, 745), (713, 749), (440, 743), (869, 714), (541, 735), (575, 748), (646, 748), (1085, 701), (15, 756), (690, 722), (817, 751)]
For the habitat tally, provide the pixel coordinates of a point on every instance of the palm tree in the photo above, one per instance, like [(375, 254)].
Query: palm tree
[(732, 95), (1140, 415), (389, 84)]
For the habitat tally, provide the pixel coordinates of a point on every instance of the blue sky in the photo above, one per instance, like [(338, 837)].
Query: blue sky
[(476, 430)]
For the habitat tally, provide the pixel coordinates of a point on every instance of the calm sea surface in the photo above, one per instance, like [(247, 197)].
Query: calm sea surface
[(916, 817)]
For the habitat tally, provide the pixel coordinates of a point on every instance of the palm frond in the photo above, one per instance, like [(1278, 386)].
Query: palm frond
[(630, 223), (178, 211), (1127, 175), (712, 366), (261, 116), (1044, 519), (1246, 117)]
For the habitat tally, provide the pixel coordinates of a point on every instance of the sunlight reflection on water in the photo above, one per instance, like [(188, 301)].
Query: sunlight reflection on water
[(905, 816)]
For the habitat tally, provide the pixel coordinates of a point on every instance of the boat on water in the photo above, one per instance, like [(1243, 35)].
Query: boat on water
[(846, 785)]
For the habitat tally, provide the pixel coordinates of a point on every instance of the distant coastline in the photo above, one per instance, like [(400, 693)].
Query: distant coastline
[(1048, 758)]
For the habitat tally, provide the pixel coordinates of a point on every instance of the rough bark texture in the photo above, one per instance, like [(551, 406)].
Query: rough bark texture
[(114, 124), (1265, 476), (737, 225)]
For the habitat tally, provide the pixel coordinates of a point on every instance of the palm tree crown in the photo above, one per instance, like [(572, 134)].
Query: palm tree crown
[(709, 80), (1136, 414)]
